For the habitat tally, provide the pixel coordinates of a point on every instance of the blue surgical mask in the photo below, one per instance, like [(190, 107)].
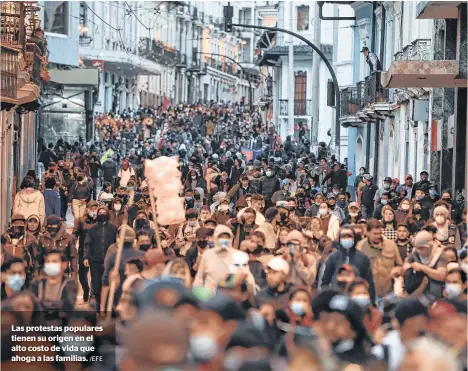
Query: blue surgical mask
[(386, 186), (297, 308), (15, 282), (347, 243), (341, 203), (432, 192), (224, 243), (384, 202)]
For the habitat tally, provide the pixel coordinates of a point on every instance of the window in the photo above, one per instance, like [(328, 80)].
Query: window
[(83, 14), (56, 16), (300, 93), (303, 18)]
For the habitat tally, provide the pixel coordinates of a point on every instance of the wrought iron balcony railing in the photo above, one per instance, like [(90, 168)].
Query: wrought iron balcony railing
[(370, 91), (301, 107), (8, 72), (13, 29), (33, 62), (350, 101)]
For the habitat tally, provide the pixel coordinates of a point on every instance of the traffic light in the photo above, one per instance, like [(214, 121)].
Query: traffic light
[(228, 14)]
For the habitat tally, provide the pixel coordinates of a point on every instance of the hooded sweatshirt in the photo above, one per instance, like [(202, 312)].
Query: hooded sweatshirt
[(30, 202)]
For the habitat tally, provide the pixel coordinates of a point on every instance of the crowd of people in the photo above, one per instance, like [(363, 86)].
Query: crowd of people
[(277, 265)]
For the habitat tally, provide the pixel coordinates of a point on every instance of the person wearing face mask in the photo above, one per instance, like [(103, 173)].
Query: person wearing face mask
[(338, 177), (117, 212), (189, 202), (330, 223), (194, 181), (426, 268), (455, 285), (358, 181), (186, 234), (55, 290), (270, 185), (447, 232), (199, 197), (216, 262), (56, 238), (338, 205), (136, 205), (78, 195), (358, 291), (142, 223), (52, 172), (403, 210), (195, 253), (98, 239), (387, 183), (18, 243), (433, 196), (14, 277), (348, 254), (223, 214), (427, 205), (299, 307), (314, 208), (80, 230), (384, 200)]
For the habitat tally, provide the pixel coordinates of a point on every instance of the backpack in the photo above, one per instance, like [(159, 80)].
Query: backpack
[(413, 280)]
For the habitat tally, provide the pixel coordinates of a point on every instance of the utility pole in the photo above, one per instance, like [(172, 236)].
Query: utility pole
[(316, 79), (229, 25)]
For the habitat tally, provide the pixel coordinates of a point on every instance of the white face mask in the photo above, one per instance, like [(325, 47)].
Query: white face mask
[(14, 241), (117, 207), (323, 211), (453, 289), (464, 267), (439, 220), (52, 269), (203, 347), (224, 207)]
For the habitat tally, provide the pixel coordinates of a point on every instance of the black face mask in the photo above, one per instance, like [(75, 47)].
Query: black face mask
[(102, 218), (79, 178), (341, 284), (140, 223), (417, 211), (448, 200), (53, 230), (145, 246), (18, 231), (202, 244), (283, 217), (258, 250), (196, 197)]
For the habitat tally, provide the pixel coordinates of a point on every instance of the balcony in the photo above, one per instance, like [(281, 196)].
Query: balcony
[(181, 60), (350, 99), (9, 72), (412, 68), (33, 63), (437, 9), (301, 107)]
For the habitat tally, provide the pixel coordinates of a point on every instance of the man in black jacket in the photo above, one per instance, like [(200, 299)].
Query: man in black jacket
[(347, 254), (80, 230), (109, 170), (94, 166), (338, 176), (271, 184), (100, 236)]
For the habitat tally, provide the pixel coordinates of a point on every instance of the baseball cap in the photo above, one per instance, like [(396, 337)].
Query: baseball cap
[(279, 265), (331, 196), (353, 204), (367, 177), (364, 48), (222, 229), (387, 179), (18, 217)]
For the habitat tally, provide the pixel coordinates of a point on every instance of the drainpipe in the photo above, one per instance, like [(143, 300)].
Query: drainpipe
[(378, 122), (368, 134)]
